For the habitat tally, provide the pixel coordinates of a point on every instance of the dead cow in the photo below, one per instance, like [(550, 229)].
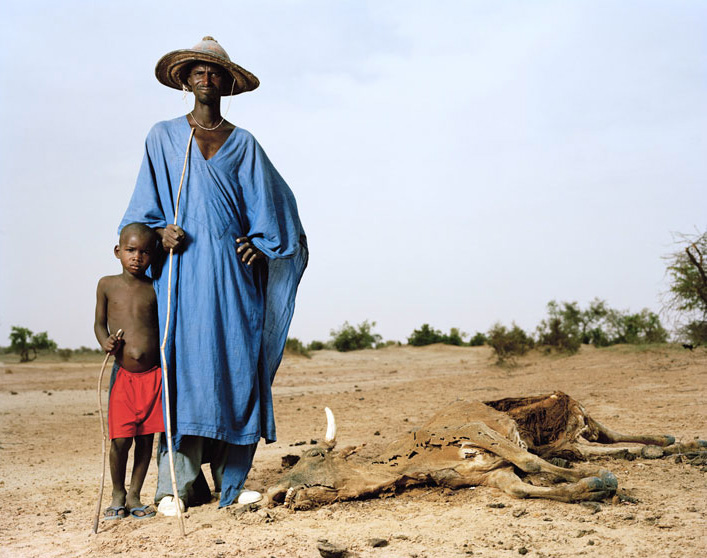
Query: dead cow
[(471, 443)]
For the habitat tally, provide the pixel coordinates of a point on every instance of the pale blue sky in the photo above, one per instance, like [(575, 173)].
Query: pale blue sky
[(455, 163)]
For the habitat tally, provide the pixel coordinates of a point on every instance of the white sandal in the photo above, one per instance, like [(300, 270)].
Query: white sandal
[(249, 497), (168, 507)]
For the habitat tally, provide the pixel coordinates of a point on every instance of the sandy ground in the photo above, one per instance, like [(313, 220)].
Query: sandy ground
[(50, 461)]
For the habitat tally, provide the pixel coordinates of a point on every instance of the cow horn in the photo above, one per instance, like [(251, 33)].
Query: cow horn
[(330, 425)]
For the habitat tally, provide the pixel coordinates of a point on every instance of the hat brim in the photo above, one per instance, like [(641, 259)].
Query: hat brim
[(169, 67)]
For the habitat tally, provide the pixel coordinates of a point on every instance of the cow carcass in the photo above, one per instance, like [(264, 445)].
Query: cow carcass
[(471, 443)]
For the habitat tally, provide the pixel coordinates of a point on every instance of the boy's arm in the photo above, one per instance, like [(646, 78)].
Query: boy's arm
[(109, 343)]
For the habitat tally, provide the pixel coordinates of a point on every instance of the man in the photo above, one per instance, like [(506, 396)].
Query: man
[(239, 255)]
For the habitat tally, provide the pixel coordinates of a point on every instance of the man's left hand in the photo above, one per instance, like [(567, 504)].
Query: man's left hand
[(248, 252)]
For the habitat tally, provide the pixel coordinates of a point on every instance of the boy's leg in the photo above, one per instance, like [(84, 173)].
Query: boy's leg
[(119, 448), (143, 454)]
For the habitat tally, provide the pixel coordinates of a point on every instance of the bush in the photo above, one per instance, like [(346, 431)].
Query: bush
[(64, 354), (350, 338), (561, 330), (316, 346), (478, 340), (294, 345), (455, 337), (644, 327), (567, 326), (508, 344), (427, 335)]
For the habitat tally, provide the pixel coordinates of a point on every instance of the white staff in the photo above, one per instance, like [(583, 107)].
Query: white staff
[(165, 380)]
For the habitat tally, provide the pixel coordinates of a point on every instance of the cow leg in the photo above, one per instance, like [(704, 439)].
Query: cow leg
[(492, 441), (587, 451), (693, 446), (591, 488), (607, 436)]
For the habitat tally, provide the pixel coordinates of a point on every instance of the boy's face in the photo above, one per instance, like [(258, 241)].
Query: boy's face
[(135, 253)]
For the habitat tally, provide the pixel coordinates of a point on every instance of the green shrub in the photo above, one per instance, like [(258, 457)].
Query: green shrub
[(561, 330), (695, 332), (427, 335), (455, 337), (478, 340), (316, 346), (508, 344), (644, 327), (64, 354), (294, 345), (350, 338)]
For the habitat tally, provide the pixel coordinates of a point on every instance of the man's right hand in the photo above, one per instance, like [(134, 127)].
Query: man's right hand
[(173, 237), (112, 344)]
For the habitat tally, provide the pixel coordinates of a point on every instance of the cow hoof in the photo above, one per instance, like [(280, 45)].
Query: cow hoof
[(591, 489), (609, 479)]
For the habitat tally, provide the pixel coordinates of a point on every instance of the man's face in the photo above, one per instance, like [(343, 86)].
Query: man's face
[(205, 81), (135, 253)]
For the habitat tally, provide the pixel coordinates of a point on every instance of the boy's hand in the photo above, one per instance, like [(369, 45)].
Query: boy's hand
[(173, 237), (249, 253), (112, 344)]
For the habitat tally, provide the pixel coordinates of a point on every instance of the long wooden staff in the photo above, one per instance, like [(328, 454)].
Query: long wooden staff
[(119, 335), (165, 379)]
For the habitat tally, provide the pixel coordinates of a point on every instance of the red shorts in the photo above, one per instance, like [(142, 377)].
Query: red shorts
[(135, 405)]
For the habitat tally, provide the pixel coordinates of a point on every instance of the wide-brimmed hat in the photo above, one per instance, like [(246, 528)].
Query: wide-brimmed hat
[(170, 67)]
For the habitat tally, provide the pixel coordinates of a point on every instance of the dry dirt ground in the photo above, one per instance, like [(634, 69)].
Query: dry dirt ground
[(50, 461)]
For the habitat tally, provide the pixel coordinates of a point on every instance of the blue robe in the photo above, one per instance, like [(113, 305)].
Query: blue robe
[(229, 321)]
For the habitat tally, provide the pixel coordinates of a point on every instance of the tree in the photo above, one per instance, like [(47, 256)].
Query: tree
[(687, 296), (22, 341), (350, 338)]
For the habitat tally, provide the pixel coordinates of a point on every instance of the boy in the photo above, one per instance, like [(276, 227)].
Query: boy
[(127, 301)]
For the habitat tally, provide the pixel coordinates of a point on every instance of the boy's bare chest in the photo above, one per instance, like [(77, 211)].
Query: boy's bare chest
[(133, 304)]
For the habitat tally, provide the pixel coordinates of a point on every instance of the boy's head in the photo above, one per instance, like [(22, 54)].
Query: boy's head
[(136, 247)]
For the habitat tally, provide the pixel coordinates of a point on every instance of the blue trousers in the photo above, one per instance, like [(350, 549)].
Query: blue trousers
[(230, 465)]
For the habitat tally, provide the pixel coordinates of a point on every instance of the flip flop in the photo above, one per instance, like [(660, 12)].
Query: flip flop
[(118, 512), (133, 512)]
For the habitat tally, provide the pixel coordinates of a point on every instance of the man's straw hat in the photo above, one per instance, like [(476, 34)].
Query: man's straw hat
[(170, 66)]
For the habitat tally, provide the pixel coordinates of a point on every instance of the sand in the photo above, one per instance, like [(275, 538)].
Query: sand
[(50, 461)]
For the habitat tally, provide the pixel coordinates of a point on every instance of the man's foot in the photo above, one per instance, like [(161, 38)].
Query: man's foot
[(114, 512), (249, 497), (168, 507), (143, 512)]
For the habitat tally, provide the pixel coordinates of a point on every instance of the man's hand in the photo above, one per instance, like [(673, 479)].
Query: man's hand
[(248, 252), (112, 344), (172, 237)]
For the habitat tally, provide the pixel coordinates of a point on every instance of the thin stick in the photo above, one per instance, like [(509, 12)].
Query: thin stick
[(119, 335), (165, 380)]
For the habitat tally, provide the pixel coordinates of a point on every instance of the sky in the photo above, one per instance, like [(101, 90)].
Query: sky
[(457, 163)]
